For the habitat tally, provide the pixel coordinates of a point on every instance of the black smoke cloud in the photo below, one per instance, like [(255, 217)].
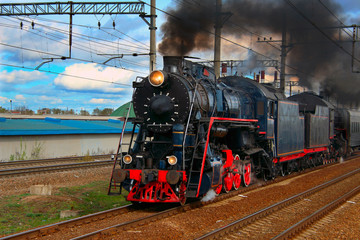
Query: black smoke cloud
[(311, 55)]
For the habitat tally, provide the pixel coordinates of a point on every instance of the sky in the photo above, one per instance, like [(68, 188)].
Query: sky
[(84, 82)]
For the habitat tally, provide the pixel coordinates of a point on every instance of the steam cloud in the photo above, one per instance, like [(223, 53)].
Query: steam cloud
[(314, 58)]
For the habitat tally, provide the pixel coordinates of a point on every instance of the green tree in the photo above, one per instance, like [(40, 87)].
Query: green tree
[(96, 112), (106, 112), (3, 110), (56, 111), (84, 113)]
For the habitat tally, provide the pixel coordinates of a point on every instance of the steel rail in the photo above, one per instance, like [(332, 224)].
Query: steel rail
[(304, 223), (240, 223), (47, 160), (106, 232), (42, 169)]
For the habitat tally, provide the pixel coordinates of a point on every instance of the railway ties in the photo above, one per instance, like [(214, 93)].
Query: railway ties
[(142, 220), (288, 218)]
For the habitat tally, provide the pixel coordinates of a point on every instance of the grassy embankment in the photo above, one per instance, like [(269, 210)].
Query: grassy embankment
[(22, 212)]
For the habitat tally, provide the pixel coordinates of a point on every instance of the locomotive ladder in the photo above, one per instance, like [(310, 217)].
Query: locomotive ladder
[(113, 185), (192, 186)]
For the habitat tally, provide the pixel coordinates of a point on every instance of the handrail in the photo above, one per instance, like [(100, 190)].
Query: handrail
[(187, 125)]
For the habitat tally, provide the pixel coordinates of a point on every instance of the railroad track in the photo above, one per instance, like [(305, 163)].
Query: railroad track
[(52, 168), (94, 226), (14, 164), (128, 215), (300, 211)]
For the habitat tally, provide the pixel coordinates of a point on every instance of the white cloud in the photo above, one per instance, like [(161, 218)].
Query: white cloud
[(4, 100), (102, 101), (20, 97), (21, 77), (52, 100), (93, 77)]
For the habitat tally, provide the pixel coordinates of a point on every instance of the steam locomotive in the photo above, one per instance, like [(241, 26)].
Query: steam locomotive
[(194, 133)]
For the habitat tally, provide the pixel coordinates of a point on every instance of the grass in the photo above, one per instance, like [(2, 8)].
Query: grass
[(22, 212)]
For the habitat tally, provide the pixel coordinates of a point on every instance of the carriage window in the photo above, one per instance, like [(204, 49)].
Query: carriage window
[(271, 109)]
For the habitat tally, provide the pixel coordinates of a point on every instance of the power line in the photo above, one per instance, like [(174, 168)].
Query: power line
[(349, 34), (76, 46), (79, 35), (92, 27), (235, 43), (319, 29), (68, 75)]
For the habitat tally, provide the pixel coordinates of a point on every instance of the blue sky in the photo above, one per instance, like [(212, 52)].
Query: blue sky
[(81, 83)]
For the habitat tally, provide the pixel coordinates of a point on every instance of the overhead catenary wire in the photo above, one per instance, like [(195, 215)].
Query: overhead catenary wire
[(232, 42), (61, 56), (55, 38), (342, 24), (93, 27), (78, 46), (85, 37), (320, 30), (67, 75)]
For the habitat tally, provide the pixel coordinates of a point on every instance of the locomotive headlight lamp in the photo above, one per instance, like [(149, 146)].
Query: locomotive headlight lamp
[(157, 78), (127, 159), (172, 160)]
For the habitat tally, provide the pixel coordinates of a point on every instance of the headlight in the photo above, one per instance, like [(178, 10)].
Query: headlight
[(127, 159), (172, 160), (157, 78)]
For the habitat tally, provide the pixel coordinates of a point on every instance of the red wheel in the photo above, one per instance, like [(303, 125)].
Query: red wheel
[(228, 182), (236, 171), (236, 179), (247, 174)]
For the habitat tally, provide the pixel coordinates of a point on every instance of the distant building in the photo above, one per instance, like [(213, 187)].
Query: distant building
[(53, 137)]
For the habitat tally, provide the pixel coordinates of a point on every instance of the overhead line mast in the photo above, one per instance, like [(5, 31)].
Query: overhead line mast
[(72, 8)]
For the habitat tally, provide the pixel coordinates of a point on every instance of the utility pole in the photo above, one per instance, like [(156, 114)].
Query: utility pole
[(70, 28), (152, 27), (284, 50), (153, 36), (355, 37), (217, 45), (283, 56)]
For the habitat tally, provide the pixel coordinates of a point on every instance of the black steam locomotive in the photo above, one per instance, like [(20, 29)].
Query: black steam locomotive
[(195, 133)]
